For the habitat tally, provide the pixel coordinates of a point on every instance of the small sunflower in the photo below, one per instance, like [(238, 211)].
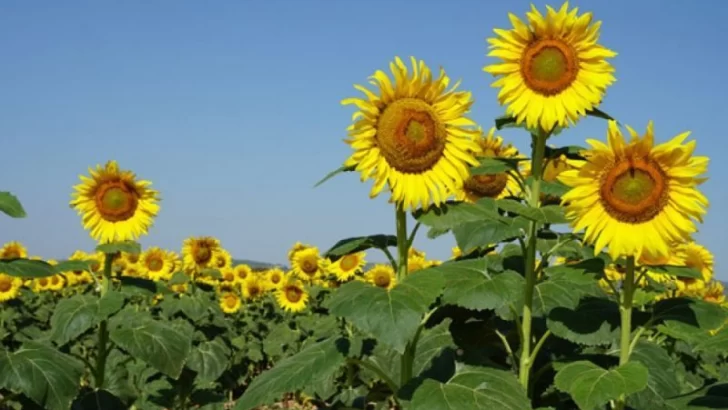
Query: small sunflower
[(495, 186), (292, 297), (636, 197), (298, 246), (197, 253), (412, 135), (178, 288), (221, 259), (114, 205), (699, 258), (230, 303), (347, 266), (79, 277), (416, 263), (307, 264), (274, 278), (13, 250), (253, 287), (175, 264), (39, 285), (381, 276), (9, 287), (56, 282), (155, 264), (227, 277), (553, 70)]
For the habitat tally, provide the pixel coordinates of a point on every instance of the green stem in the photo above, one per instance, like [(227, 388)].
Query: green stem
[(412, 235), (402, 243), (383, 376), (625, 315), (539, 147), (103, 335)]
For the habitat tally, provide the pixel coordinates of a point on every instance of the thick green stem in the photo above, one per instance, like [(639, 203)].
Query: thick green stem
[(103, 335), (539, 147), (402, 243), (625, 315)]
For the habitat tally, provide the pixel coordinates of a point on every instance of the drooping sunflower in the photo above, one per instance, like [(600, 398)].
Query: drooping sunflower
[(230, 302), (197, 253), (13, 250), (155, 263), (699, 258), (412, 135), (292, 296), (9, 287), (307, 264), (495, 186), (553, 70), (221, 259), (381, 276), (242, 272), (347, 266), (637, 196), (274, 278), (253, 287), (114, 205)]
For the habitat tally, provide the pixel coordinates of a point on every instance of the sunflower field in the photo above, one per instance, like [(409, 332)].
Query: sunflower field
[(576, 282)]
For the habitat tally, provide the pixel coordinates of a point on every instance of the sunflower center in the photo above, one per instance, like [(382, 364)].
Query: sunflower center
[(309, 267), (254, 290), (382, 280), (349, 262), (634, 191), (116, 202), (229, 277), (133, 257), (549, 66), (43, 281), (275, 278), (155, 264), (5, 285), (231, 301), (55, 280), (202, 255), (293, 294), (11, 254), (242, 274), (486, 185), (410, 137)]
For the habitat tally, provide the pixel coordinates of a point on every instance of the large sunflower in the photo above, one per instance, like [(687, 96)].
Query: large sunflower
[(412, 135), (13, 250), (292, 296), (197, 253), (114, 205), (637, 196), (347, 266), (155, 263), (496, 186), (552, 69)]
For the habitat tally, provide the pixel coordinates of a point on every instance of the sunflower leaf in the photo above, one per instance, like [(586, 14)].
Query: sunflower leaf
[(677, 271), (209, 360), (592, 386), (551, 214), (486, 233), (494, 165), (72, 265), (662, 381), (123, 246), (75, 315), (100, 400), (211, 273), (693, 312), (570, 152), (335, 172), (179, 278), (26, 268), (472, 388), (360, 243), (597, 113), (452, 214), (714, 396), (471, 286), (552, 188), (593, 322), (10, 206)]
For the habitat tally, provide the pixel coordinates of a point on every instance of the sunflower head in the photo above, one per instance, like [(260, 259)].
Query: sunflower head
[(308, 265), (13, 250), (412, 135), (198, 253), (636, 197), (221, 259), (416, 263), (242, 272), (9, 287), (253, 288), (292, 296), (274, 278), (552, 70), (347, 266), (381, 276), (154, 262), (114, 205), (230, 302), (298, 246)]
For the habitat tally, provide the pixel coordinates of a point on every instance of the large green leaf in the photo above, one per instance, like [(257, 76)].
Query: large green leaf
[(452, 214), (100, 400), (565, 286), (123, 246), (494, 165), (552, 214), (361, 243), (714, 396), (662, 381), (677, 271), (209, 360), (195, 307), (334, 173), (592, 386), (472, 286), (10, 206), (157, 343), (72, 265), (26, 268), (595, 321), (698, 313), (552, 188), (391, 316), (75, 315), (472, 388), (717, 343), (315, 362), (487, 232), (47, 376)]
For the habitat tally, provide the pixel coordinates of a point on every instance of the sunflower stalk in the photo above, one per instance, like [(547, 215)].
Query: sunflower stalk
[(103, 335), (625, 315), (539, 148)]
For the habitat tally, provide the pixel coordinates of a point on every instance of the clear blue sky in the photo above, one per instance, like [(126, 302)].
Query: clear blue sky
[(233, 108)]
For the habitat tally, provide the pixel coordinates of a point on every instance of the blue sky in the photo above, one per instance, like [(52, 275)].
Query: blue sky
[(233, 109)]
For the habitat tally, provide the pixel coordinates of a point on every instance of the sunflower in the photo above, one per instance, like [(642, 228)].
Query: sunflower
[(133, 271), (495, 186), (647, 261), (307, 264), (227, 277), (38, 285), (175, 263), (155, 264), (197, 253), (230, 302), (699, 258), (253, 287), (79, 277), (114, 205), (274, 278), (635, 197), (242, 272), (413, 252), (13, 250), (714, 292), (57, 282), (553, 70), (131, 257), (382, 276), (346, 267), (178, 288), (298, 246), (292, 297), (416, 263), (9, 287), (221, 259), (412, 135)]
